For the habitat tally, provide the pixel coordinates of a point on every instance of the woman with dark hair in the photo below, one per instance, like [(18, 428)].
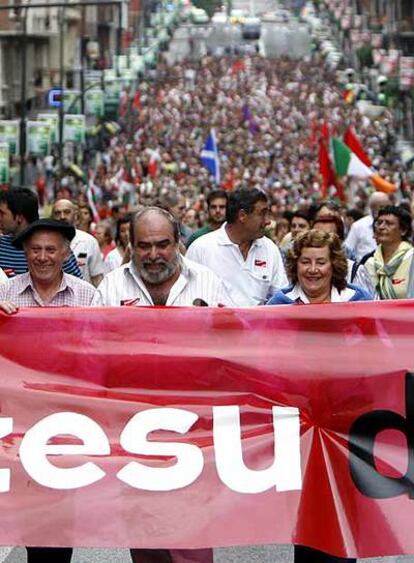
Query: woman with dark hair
[(326, 207), (317, 268), (115, 257), (300, 222), (392, 267), (85, 218)]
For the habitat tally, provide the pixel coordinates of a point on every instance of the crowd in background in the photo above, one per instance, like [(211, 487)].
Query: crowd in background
[(267, 115), (146, 224)]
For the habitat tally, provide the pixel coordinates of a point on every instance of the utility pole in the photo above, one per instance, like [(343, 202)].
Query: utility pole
[(62, 83), (119, 38), (23, 106), (83, 60)]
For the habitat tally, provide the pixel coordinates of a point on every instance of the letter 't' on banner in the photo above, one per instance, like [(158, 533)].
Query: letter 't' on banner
[(34, 450)]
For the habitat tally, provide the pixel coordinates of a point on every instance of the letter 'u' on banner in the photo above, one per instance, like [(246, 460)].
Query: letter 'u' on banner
[(285, 471)]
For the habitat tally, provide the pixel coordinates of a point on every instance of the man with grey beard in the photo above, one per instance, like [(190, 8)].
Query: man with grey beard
[(157, 273)]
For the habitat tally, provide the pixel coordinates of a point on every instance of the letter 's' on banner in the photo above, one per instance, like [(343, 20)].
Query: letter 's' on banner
[(187, 428)]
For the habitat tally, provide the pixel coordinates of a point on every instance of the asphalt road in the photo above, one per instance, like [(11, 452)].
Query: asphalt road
[(250, 554)]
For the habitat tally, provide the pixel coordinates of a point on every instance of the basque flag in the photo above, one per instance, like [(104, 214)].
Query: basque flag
[(210, 156)]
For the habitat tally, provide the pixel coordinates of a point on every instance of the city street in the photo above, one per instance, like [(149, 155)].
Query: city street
[(252, 554)]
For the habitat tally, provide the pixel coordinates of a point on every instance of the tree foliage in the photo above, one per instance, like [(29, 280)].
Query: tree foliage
[(210, 6)]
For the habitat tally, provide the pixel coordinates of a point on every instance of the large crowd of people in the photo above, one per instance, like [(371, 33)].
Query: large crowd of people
[(151, 226)]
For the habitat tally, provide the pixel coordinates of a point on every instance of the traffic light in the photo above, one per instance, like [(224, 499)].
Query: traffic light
[(55, 98)]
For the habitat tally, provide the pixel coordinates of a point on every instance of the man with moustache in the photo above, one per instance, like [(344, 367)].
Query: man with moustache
[(157, 273), (217, 207)]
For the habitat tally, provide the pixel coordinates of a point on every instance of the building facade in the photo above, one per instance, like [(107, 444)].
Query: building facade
[(34, 35)]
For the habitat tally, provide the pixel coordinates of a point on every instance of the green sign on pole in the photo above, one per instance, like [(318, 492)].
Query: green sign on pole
[(53, 120), (137, 63), (92, 77), (122, 62), (94, 102), (109, 74), (128, 76), (112, 96), (38, 138), (10, 134), (74, 128), (4, 163), (72, 101)]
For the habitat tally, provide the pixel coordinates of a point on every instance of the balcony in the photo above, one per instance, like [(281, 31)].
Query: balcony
[(405, 27)]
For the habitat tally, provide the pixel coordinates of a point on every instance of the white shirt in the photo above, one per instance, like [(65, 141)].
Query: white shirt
[(336, 297), (86, 249), (249, 282), (113, 260), (360, 238), (124, 286), (3, 277)]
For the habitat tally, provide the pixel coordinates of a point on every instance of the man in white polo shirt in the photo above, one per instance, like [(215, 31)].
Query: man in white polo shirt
[(249, 263), (84, 246)]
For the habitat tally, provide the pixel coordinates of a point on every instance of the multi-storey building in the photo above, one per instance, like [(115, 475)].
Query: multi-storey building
[(38, 41)]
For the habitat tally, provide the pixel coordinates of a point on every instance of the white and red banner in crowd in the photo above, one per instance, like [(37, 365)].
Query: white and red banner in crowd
[(186, 428)]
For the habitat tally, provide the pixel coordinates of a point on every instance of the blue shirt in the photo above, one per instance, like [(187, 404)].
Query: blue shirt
[(287, 296), (13, 261)]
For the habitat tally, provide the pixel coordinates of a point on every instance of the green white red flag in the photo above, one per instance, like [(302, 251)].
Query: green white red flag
[(347, 163)]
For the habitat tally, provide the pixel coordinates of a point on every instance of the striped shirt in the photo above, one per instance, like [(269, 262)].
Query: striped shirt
[(13, 261), (71, 293), (124, 286)]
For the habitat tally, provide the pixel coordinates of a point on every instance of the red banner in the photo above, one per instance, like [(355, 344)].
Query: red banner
[(187, 428)]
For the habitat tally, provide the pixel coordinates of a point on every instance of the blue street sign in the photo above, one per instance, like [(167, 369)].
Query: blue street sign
[(55, 98)]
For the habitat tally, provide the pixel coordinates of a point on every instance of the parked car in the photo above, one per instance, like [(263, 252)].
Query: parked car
[(251, 28)]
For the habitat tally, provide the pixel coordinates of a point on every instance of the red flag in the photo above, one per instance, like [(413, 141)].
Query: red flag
[(152, 167), (352, 141), (325, 133), (325, 168), (229, 181), (349, 96), (237, 66), (137, 100), (327, 172)]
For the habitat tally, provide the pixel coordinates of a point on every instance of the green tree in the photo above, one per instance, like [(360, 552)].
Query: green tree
[(209, 6)]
